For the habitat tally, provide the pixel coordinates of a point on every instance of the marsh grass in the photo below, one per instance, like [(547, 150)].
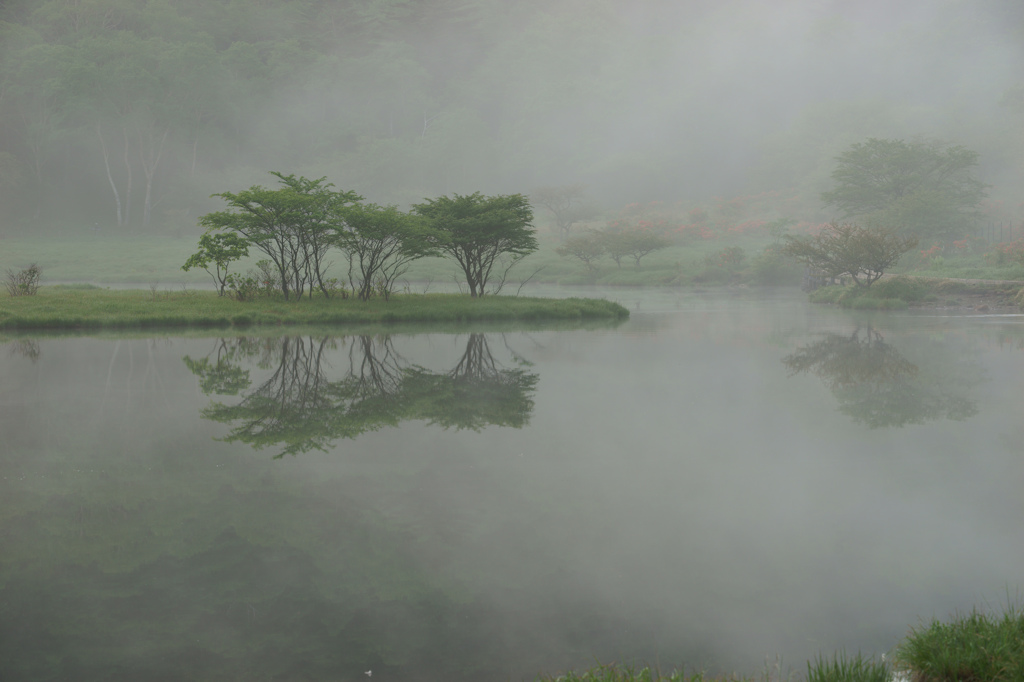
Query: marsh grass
[(841, 668), (56, 308), (976, 647)]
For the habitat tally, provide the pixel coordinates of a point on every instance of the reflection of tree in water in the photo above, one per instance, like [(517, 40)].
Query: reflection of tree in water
[(476, 393), (877, 386), (301, 408), (26, 348)]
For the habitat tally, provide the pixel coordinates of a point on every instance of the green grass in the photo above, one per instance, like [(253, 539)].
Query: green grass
[(977, 647), (840, 668), (966, 266), (157, 260), (897, 293), (61, 308)]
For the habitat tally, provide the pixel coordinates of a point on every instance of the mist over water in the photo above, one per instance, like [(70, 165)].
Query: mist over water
[(671, 490)]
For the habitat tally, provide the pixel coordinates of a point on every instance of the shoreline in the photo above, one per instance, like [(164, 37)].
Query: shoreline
[(57, 309)]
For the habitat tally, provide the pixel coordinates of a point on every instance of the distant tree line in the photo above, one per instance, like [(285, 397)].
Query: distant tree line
[(120, 113), (297, 224)]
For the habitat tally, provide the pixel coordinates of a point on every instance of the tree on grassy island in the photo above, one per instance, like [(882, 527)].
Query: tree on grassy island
[(920, 188), (293, 225), (379, 242), (218, 250), (479, 231), (848, 249)]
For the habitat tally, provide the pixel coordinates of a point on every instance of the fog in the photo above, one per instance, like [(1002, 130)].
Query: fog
[(639, 101)]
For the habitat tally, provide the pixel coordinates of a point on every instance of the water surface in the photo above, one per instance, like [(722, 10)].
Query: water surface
[(722, 478)]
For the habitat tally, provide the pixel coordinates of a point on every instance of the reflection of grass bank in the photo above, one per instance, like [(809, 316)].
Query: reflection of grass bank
[(64, 308), (976, 647), (897, 293)]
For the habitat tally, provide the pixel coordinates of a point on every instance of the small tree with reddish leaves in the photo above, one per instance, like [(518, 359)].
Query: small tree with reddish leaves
[(848, 249)]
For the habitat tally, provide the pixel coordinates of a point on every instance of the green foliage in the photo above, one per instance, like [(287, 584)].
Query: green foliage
[(918, 188), (635, 243), (904, 288), (586, 248), (24, 282), (976, 646), (722, 266), (840, 668), (380, 242), (220, 250), (479, 231), (773, 267), (848, 249), (294, 226), (894, 293)]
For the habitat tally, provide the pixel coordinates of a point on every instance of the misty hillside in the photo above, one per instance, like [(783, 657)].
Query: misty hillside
[(132, 112)]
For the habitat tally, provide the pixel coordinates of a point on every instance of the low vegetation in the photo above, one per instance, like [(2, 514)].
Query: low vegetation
[(24, 282), (848, 250), (978, 647), (900, 292), (56, 308)]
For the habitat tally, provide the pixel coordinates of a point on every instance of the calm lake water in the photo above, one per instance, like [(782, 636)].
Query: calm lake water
[(723, 478)]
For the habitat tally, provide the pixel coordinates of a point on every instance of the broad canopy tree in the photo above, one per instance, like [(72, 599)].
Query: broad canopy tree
[(296, 225), (479, 231), (293, 225), (379, 242), (920, 188), (848, 249)]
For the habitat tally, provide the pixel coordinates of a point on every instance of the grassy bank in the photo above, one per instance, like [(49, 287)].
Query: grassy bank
[(58, 307), (900, 292), (978, 647)]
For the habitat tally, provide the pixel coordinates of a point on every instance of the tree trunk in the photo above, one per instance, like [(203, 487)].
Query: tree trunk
[(110, 177), (150, 159)]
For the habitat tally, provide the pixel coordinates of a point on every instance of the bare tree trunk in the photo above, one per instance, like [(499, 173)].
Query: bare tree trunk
[(150, 160), (110, 177), (128, 187)]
